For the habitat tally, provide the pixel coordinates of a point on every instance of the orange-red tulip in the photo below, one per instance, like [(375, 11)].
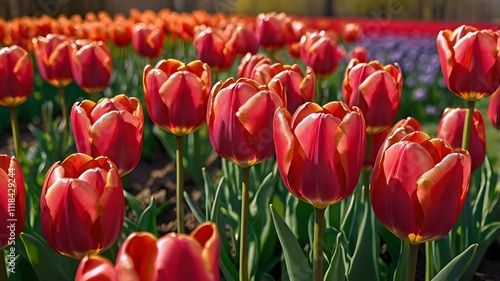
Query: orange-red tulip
[(177, 94), (451, 128), (319, 50), (91, 65), (120, 31), (147, 40), (172, 257), (95, 268), (376, 90), (16, 76), (359, 53), (244, 38), (239, 120), (52, 54), (214, 47), (250, 63), (320, 151), (418, 187), (82, 205), (351, 32), (12, 196), (470, 61), (494, 110), (109, 128)]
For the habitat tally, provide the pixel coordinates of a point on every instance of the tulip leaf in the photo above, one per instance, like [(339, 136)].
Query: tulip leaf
[(194, 208), (133, 203), (337, 269), (297, 266), (41, 261), (227, 267), (401, 270), (216, 201), (456, 268), (147, 220)]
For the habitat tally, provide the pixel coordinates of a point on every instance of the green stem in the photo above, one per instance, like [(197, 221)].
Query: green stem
[(15, 132), (318, 92), (467, 125), (318, 244), (412, 263), (180, 185), (3, 269), (65, 116), (367, 170), (244, 224), (429, 268)]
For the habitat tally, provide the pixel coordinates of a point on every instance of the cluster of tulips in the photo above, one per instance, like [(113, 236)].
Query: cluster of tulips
[(269, 111)]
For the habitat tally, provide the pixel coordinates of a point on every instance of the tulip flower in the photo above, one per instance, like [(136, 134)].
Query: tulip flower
[(147, 40), (376, 90), (359, 53), (250, 63), (319, 50), (239, 120), (494, 110), (91, 65), (172, 257), (52, 54), (319, 151), (82, 205), (402, 128), (451, 129), (411, 180), (108, 128), (120, 31), (270, 30), (351, 32), (95, 268), (244, 39), (16, 76), (214, 47), (470, 61), (12, 196), (173, 88)]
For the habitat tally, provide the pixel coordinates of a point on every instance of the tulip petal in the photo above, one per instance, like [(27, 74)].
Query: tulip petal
[(136, 257), (95, 268)]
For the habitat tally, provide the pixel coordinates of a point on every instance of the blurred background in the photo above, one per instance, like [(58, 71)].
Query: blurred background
[(449, 10)]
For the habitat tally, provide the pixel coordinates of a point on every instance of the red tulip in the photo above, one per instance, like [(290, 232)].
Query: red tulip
[(172, 257), (451, 129), (91, 65), (376, 90), (148, 40), (351, 32), (95, 268), (319, 50), (16, 76), (494, 110), (239, 120), (270, 30), (120, 31), (52, 54), (109, 128), (12, 206), (250, 63), (214, 47), (470, 61), (244, 38), (173, 89), (82, 205), (359, 53), (320, 151), (412, 179)]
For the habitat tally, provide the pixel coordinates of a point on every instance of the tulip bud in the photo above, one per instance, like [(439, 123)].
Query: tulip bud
[(82, 205), (91, 65), (109, 128), (16, 76), (214, 47), (319, 50), (52, 54), (12, 204), (147, 40)]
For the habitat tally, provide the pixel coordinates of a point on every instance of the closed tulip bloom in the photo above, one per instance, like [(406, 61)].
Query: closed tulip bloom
[(120, 31), (299, 88), (270, 30), (470, 61), (147, 40), (95, 268), (239, 120), (376, 90), (359, 53), (250, 63), (451, 128), (214, 47), (244, 39), (172, 257), (82, 205), (351, 32), (320, 151), (108, 128), (320, 51), (494, 110), (172, 89), (52, 54), (418, 187), (16, 76), (91, 65), (12, 196)]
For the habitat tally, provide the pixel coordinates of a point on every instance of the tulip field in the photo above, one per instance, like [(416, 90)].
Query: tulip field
[(290, 148)]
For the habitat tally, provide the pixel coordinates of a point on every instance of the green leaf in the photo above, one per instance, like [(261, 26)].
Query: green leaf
[(194, 208), (214, 214), (147, 220), (227, 267), (296, 262), (133, 203), (41, 261), (337, 269), (455, 268), (401, 271)]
